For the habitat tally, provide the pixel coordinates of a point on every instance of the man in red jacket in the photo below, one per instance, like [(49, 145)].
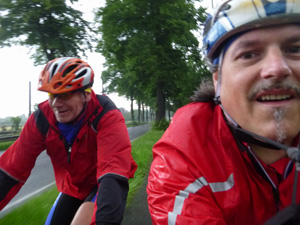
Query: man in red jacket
[(223, 159), (87, 140)]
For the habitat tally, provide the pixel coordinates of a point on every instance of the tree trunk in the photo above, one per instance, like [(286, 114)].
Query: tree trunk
[(143, 113), (161, 104), (131, 108), (147, 114), (139, 111)]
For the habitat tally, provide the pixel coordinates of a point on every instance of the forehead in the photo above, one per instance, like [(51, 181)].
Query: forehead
[(282, 33)]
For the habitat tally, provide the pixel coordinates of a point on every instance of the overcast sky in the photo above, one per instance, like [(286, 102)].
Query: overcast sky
[(17, 70)]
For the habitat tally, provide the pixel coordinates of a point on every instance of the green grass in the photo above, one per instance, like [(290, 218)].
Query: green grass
[(35, 211), (142, 154), (5, 145)]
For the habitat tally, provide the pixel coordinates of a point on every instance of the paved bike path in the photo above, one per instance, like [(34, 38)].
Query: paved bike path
[(137, 212)]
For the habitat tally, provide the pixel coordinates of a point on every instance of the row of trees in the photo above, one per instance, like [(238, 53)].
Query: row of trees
[(151, 51), (12, 124)]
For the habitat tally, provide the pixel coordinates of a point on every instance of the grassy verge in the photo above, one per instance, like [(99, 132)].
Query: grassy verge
[(142, 154), (5, 145), (35, 211)]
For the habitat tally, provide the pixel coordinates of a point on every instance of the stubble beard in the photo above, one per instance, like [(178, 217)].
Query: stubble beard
[(279, 113), (279, 127)]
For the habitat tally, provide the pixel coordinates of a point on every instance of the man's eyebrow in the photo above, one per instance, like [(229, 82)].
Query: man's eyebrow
[(293, 39), (246, 43)]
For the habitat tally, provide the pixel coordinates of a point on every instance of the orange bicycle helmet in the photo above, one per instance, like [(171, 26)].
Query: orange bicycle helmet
[(65, 74)]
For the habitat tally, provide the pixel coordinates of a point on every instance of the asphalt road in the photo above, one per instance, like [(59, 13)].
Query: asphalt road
[(137, 212), (43, 169)]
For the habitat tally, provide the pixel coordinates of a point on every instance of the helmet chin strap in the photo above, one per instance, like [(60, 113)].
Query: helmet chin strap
[(246, 136), (292, 152)]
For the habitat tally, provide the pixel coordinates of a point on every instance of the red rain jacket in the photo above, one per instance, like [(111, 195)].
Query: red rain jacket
[(200, 176), (94, 153)]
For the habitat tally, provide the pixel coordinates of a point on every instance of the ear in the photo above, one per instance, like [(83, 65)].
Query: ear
[(215, 77), (88, 96)]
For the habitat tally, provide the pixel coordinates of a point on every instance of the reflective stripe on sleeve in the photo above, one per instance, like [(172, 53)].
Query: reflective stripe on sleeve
[(193, 188)]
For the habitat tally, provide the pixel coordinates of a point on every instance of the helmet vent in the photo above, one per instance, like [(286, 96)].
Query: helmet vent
[(68, 70), (225, 7), (82, 73), (57, 85), (53, 71)]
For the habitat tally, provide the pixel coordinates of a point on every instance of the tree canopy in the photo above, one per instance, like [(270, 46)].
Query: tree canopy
[(15, 123), (151, 51), (51, 27)]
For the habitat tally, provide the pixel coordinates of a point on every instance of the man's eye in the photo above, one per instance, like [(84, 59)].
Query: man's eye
[(248, 55), (293, 50)]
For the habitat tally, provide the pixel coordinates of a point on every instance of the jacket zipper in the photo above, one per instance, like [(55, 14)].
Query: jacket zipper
[(69, 155), (66, 144), (69, 147)]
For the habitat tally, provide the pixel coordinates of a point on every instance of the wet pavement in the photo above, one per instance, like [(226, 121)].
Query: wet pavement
[(137, 212)]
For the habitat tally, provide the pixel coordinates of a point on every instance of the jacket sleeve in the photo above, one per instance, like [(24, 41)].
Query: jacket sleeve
[(115, 166), (111, 201), (18, 160)]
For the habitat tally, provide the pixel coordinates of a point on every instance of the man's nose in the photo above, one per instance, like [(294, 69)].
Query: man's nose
[(275, 65), (56, 102)]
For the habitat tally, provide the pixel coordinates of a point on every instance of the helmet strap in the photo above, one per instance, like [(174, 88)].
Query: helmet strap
[(217, 98), (218, 90)]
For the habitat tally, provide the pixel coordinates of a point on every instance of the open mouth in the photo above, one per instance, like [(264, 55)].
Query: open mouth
[(275, 98), (61, 111)]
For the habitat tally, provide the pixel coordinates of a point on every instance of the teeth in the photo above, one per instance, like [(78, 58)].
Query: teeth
[(274, 97)]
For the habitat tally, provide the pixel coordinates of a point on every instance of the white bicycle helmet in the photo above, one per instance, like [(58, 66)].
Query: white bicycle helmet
[(64, 75), (231, 17)]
